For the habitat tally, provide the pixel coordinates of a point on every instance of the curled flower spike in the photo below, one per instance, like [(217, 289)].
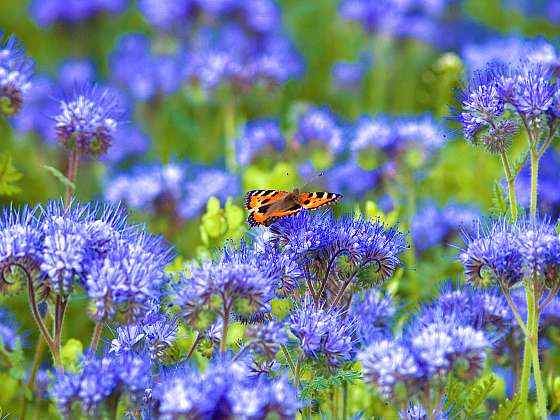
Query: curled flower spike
[(16, 70), (88, 120), (507, 253)]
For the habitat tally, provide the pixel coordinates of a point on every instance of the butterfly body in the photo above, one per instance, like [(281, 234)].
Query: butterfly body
[(267, 206)]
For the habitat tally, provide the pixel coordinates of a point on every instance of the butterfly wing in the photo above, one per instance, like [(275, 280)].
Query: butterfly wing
[(268, 214), (313, 200), (258, 198)]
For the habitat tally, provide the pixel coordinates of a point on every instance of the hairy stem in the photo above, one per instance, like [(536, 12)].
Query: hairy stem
[(95, 337), (225, 328), (537, 375), (288, 359), (37, 358), (73, 163), (534, 184), (194, 345), (526, 369), (344, 400), (511, 185), (514, 310)]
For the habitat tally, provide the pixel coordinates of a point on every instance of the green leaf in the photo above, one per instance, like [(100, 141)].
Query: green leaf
[(518, 164), (477, 395), (8, 176), (499, 203), (315, 387), (71, 354), (508, 409), (61, 177)]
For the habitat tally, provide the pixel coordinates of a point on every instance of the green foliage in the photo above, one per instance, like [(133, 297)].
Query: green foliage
[(508, 409), (317, 387), (71, 355), (282, 176), (13, 360), (374, 212), (499, 202), (9, 176), (467, 400), (60, 177), (218, 225)]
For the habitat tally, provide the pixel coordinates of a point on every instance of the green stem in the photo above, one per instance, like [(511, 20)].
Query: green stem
[(73, 162), (37, 358), (289, 359), (223, 341), (230, 134), (514, 310), (511, 185), (194, 345), (95, 337), (526, 370), (344, 400), (297, 375), (534, 181), (534, 339)]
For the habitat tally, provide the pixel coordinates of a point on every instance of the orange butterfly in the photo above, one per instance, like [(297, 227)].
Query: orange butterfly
[(267, 206)]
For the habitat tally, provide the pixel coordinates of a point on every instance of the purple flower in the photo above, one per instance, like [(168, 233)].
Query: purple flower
[(48, 12), (224, 390), (375, 312), (99, 380), (320, 124), (129, 141), (16, 70), (148, 186), (349, 75), (206, 183), (506, 253), (509, 50), (351, 180), (319, 237), (9, 331), (324, 334), (167, 14), (244, 279), (88, 121), (386, 363), (143, 73), (432, 226), (259, 135), (76, 72)]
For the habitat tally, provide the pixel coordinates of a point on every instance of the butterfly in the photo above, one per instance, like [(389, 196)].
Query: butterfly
[(267, 206)]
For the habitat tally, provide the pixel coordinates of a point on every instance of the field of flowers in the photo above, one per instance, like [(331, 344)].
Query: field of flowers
[(279, 209)]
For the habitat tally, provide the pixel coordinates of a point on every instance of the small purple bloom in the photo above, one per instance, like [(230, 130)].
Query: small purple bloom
[(16, 70)]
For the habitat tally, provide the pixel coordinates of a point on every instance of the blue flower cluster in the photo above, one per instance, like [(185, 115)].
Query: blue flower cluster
[(423, 20), (54, 119), (152, 335), (16, 70), (244, 279), (10, 336), (350, 75), (460, 325), (48, 12), (432, 226), (507, 253), (99, 381), (319, 238), (144, 73), (224, 390), (258, 136), (120, 267), (508, 50), (176, 189), (87, 122), (491, 99), (235, 43), (324, 334)]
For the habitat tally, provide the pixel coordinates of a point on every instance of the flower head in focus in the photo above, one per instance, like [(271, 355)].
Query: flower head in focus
[(87, 121)]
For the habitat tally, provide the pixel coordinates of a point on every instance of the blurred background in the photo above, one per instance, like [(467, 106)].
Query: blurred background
[(223, 96)]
